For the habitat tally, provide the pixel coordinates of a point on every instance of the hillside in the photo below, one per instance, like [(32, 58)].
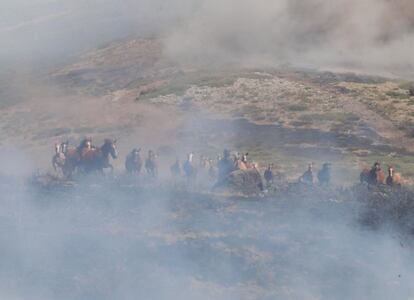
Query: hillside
[(131, 90)]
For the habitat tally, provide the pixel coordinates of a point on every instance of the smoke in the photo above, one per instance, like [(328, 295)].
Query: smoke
[(341, 33), (372, 34), (102, 240), (53, 31)]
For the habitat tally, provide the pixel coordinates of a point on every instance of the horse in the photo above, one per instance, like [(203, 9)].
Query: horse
[(205, 163), (176, 168), (133, 162), (58, 160), (373, 176), (151, 165), (394, 179), (239, 164), (73, 157), (189, 170), (324, 175), (307, 177), (212, 170), (97, 159), (268, 175)]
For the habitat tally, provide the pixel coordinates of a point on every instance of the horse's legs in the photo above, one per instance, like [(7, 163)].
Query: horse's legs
[(67, 172), (54, 163), (112, 169)]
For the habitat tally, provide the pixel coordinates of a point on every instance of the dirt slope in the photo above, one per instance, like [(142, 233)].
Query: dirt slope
[(130, 90)]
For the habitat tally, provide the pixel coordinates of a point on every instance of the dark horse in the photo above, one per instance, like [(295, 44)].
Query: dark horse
[(151, 165), (97, 159), (373, 176), (324, 175), (133, 162)]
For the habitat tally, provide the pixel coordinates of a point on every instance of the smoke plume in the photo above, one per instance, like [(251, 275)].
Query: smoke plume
[(342, 33)]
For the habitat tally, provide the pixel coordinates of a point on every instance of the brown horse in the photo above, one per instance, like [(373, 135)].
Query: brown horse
[(373, 176), (133, 162), (73, 157), (394, 178), (241, 162), (97, 159)]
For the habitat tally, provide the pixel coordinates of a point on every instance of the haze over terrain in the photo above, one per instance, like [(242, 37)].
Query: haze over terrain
[(181, 76)]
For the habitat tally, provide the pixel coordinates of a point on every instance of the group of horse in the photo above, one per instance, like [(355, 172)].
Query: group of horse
[(87, 158), (188, 168), (371, 176), (376, 176)]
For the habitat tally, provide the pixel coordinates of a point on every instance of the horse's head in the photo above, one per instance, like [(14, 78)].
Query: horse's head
[(390, 171), (326, 166), (226, 153), (190, 157), (244, 157), (57, 148), (109, 147), (64, 147), (310, 167), (151, 154), (136, 151), (377, 166)]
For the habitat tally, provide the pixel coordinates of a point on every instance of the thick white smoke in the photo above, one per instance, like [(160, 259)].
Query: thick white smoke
[(349, 33), (375, 34)]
